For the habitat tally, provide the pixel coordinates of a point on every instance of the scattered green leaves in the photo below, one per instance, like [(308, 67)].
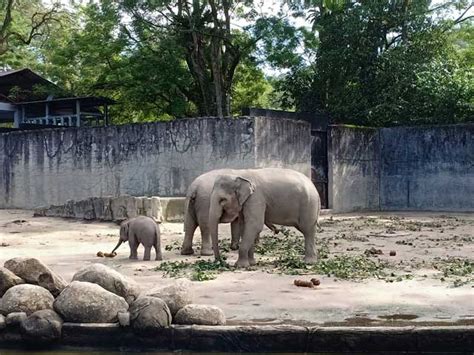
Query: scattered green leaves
[(462, 270), (201, 270)]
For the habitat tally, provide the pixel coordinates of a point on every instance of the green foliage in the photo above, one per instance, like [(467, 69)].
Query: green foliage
[(384, 62), (201, 270), (250, 88), (459, 271)]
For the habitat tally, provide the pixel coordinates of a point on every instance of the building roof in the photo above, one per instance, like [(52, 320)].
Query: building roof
[(84, 100), (25, 79)]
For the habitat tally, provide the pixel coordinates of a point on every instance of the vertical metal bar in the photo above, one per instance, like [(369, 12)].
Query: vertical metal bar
[(78, 113), (16, 119), (106, 114)]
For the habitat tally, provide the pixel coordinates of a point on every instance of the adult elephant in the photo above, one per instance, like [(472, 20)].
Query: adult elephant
[(196, 213), (272, 195)]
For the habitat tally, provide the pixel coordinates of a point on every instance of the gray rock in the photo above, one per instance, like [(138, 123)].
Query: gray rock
[(26, 298), (124, 319), (84, 209), (15, 319), (42, 326), (102, 209), (35, 272), (118, 206), (85, 302), (2, 322), (200, 314), (176, 296), (8, 279), (109, 279), (148, 314), (152, 208)]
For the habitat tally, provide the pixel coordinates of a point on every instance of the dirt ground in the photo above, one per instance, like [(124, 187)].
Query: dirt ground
[(429, 280)]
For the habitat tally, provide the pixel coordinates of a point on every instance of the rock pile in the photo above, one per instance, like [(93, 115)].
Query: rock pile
[(36, 301)]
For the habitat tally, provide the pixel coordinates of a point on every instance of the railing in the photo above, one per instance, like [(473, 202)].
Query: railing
[(68, 120)]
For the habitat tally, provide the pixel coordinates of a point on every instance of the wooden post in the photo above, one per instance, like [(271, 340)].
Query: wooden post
[(78, 113)]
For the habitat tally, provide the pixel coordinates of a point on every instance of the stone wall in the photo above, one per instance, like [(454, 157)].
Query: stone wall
[(402, 168), (353, 163), (52, 166), (427, 168)]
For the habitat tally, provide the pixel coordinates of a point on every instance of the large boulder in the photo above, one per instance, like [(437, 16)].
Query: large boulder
[(85, 302), (148, 314), (35, 272), (42, 326), (200, 314), (176, 296), (8, 279), (26, 298), (109, 279), (15, 319)]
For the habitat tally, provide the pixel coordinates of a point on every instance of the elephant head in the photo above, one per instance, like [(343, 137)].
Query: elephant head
[(124, 227), (227, 198)]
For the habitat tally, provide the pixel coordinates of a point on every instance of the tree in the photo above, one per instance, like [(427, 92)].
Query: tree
[(203, 31), (21, 22), (378, 62)]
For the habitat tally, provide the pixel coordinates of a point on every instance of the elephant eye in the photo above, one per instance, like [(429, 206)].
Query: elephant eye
[(222, 200)]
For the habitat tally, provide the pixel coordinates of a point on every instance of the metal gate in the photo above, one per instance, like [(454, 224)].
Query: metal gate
[(319, 164), (319, 149)]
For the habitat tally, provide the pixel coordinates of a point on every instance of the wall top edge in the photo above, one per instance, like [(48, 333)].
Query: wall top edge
[(156, 123), (425, 126), (138, 124)]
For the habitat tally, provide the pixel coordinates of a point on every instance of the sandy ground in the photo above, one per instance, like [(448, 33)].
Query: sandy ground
[(414, 288)]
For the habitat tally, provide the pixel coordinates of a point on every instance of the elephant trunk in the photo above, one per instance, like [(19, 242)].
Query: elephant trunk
[(118, 244), (215, 213)]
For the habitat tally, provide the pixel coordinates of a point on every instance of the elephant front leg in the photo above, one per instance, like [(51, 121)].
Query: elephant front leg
[(133, 248), (253, 220), (252, 260), (247, 245), (236, 230)]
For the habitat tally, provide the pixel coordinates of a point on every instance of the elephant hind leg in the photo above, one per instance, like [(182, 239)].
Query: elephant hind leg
[(190, 226), (310, 252), (157, 246), (147, 255), (206, 245)]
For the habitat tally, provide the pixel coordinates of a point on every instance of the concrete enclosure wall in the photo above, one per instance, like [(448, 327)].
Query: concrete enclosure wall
[(353, 163), (50, 167), (402, 168)]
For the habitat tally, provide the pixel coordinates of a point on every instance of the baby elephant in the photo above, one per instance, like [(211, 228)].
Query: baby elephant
[(142, 230)]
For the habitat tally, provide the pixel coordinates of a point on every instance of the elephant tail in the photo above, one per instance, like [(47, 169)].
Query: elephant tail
[(189, 210)]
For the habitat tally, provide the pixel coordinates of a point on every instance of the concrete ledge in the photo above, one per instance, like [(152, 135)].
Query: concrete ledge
[(162, 209), (282, 338)]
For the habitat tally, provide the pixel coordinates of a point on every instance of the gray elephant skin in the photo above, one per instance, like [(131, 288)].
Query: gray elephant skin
[(141, 230), (196, 213), (271, 195)]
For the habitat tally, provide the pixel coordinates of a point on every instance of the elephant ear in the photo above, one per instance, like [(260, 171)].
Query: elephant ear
[(244, 189), (124, 231)]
